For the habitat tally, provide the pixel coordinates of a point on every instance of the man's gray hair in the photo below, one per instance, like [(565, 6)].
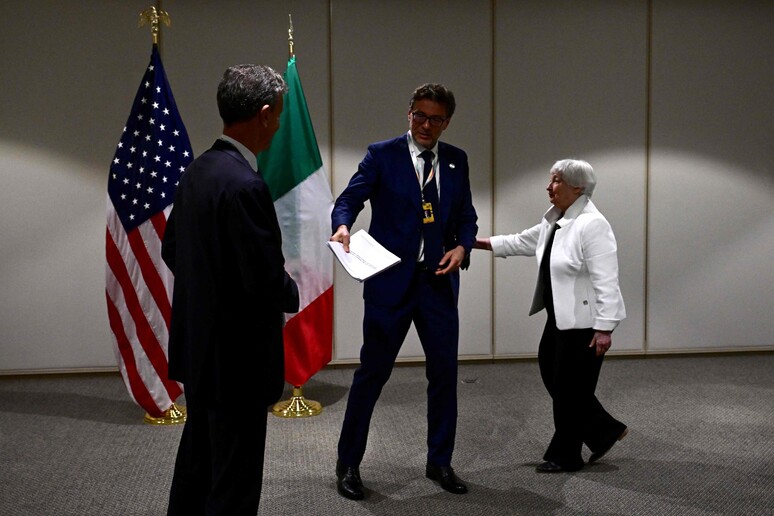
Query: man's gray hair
[(245, 89), (576, 172)]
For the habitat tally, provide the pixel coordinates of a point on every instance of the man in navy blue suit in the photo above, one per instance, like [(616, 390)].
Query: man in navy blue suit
[(421, 210), (224, 245)]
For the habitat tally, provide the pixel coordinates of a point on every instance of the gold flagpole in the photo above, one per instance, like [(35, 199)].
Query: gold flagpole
[(297, 405), (154, 15), (290, 36), (176, 414)]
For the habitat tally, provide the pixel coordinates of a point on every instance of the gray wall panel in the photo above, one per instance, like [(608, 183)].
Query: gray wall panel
[(68, 84), (381, 52), (712, 179), (569, 84), (536, 81)]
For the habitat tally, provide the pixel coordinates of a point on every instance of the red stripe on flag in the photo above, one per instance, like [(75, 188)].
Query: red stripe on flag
[(138, 282), (136, 385), (159, 222), (150, 274), (309, 339), (145, 335)]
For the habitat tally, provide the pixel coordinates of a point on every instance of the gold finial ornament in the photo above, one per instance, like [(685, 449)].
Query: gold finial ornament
[(290, 35), (154, 16), (297, 406), (174, 415)]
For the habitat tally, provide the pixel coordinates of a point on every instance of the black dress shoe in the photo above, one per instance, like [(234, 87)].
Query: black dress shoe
[(446, 477), (549, 467), (348, 482), (600, 453)]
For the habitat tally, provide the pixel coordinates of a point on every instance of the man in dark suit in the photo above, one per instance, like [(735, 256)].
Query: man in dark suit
[(224, 245), (421, 210)]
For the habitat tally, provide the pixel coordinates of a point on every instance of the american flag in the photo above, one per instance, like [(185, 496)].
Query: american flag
[(150, 157)]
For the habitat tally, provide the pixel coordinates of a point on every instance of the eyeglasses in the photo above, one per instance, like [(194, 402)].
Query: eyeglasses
[(421, 118)]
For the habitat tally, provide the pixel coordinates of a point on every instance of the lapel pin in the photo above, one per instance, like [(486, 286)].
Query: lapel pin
[(451, 165)]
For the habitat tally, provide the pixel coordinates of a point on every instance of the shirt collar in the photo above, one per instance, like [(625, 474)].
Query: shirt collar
[(251, 158), (554, 215), (417, 149)]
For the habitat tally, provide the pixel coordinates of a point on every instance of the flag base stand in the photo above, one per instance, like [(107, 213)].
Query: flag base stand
[(297, 406), (174, 415)]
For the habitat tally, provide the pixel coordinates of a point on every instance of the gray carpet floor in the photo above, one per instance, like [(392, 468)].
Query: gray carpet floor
[(701, 441)]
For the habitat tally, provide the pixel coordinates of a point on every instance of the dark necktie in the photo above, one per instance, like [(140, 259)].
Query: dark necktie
[(432, 230)]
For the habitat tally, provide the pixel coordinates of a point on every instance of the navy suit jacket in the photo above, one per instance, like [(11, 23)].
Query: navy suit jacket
[(386, 177), (224, 245)]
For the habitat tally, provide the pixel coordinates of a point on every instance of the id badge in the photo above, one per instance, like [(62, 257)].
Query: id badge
[(427, 207)]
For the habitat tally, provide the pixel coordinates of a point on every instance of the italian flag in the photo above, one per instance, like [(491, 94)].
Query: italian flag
[(293, 170)]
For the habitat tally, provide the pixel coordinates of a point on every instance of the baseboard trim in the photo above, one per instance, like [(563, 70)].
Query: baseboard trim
[(59, 371), (465, 359)]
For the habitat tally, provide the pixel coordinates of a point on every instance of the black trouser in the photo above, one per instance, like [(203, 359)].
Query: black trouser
[(431, 306), (219, 467), (570, 369)]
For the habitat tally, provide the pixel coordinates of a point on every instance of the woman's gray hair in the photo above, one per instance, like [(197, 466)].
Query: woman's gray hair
[(245, 89), (576, 172)]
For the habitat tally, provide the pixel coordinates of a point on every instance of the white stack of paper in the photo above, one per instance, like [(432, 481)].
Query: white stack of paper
[(366, 256)]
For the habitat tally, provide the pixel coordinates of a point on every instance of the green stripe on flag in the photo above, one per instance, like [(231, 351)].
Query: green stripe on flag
[(293, 170), (293, 155)]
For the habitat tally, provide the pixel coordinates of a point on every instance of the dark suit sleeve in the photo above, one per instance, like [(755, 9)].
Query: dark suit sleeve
[(465, 222), (256, 235), (290, 297), (360, 188), (168, 243)]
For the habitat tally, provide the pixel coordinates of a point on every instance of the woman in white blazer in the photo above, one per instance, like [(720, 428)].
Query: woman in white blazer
[(578, 286)]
